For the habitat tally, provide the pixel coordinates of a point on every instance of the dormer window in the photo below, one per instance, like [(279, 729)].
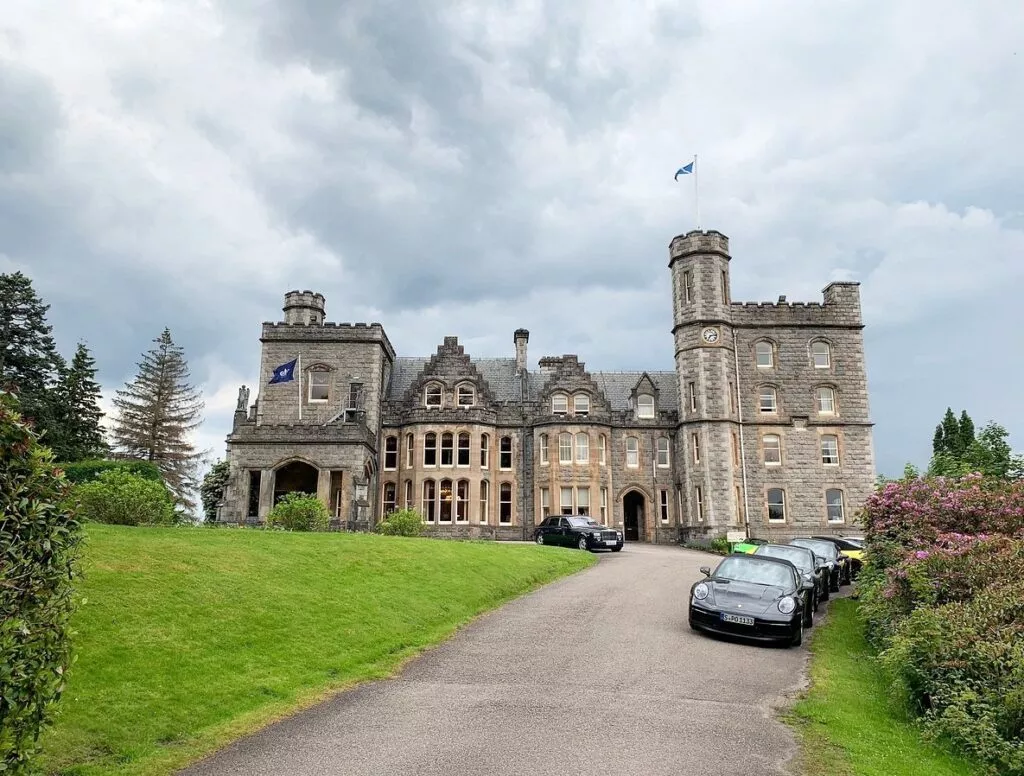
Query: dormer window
[(581, 404), (432, 395), (466, 396), (560, 404), (319, 386), (645, 406)]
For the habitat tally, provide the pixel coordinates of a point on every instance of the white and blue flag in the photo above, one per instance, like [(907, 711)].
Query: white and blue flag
[(686, 169), (284, 373)]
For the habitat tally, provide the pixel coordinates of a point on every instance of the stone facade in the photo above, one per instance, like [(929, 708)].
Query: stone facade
[(763, 427)]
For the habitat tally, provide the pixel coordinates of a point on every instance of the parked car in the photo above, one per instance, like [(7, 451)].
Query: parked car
[(809, 569), (838, 566), (852, 549), (578, 531), (748, 545), (752, 596)]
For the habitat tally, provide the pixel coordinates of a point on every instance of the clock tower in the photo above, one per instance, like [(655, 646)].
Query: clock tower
[(708, 449)]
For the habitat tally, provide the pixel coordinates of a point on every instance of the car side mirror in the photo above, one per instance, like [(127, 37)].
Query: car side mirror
[(805, 585), (705, 570)]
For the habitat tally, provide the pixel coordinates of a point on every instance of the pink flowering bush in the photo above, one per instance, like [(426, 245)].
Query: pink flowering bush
[(943, 599)]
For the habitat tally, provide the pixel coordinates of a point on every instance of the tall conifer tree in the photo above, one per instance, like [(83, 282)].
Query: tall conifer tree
[(29, 361), (156, 413), (77, 433)]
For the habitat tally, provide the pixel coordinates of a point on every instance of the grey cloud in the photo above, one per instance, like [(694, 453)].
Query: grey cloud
[(30, 117)]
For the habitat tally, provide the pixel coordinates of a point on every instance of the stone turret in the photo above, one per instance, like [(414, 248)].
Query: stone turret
[(304, 307)]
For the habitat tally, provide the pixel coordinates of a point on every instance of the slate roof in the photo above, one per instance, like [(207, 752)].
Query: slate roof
[(500, 374)]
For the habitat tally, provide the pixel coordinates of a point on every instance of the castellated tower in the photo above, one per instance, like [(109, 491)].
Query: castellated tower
[(304, 307), (709, 476)]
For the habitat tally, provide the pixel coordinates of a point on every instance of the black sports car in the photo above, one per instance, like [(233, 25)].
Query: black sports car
[(752, 596), (805, 563), (577, 531), (838, 565), (850, 548)]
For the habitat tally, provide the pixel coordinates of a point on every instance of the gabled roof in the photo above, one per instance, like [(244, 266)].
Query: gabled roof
[(618, 388), (499, 373)]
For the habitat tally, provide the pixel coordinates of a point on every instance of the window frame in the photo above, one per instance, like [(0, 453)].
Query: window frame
[(461, 449), (582, 452), (391, 453), (502, 503), (602, 450), (828, 354), (769, 503), (765, 448), (462, 501), (311, 383), (470, 389), (428, 438), (544, 448), (385, 500), (430, 389), (834, 438), (771, 354), (695, 446), (560, 398), (576, 410), (410, 450), (829, 505), (819, 405), (441, 503), (485, 451), (449, 438), (429, 504), (646, 410), (565, 448), (634, 454), (502, 452), (484, 501), (698, 503), (663, 505), (761, 393), (664, 452)]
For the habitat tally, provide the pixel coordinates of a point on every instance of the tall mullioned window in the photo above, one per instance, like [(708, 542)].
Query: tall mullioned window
[(821, 355), (390, 498), (830, 450), (764, 354), (582, 448), (776, 500), (632, 452), (826, 400), (834, 505), (391, 453), (447, 449), (430, 449), (767, 399), (485, 452), (463, 449), (687, 287), (505, 503), (565, 448), (485, 501), (505, 453), (319, 386), (663, 452)]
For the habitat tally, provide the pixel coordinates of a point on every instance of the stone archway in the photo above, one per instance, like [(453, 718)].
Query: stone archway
[(295, 476), (634, 510)]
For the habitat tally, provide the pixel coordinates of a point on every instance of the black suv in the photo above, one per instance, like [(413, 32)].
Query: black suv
[(577, 531)]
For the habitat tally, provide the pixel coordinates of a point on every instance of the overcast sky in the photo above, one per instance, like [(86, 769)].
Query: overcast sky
[(469, 168)]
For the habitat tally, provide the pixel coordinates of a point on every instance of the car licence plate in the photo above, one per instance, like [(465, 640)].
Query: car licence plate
[(611, 541), (739, 619)]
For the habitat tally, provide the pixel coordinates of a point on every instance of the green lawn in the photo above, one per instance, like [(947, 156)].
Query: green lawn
[(192, 637), (847, 724)]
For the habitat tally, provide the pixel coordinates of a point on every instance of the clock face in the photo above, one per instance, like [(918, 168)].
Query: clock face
[(710, 335)]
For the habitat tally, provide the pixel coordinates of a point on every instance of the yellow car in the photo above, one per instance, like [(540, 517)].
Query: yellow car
[(850, 547)]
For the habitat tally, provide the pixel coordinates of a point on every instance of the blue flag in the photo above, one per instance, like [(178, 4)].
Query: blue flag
[(284, 373), (684, 170)]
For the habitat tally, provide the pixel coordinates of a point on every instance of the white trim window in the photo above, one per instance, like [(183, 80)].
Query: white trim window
[(319, 386), (582, 500), (445, 502), (776, 502), (544, 448), (505, 453), (559, 404), (696, 447), (830, 450), (433, 395), (768, 400), (604, 505), (764, 354), (565, 448), (545, 503), (663, 453), (430, 449), (826, 400), (581, 405), (691, 389), (463, 449), (687, 286), (447, 449), (462, 501), (821, 354), (772, 445), (664, 506), (408, 501), (834, 505), (602, 450), (505, 503), (632, 452), (410, 450), (645, 406), (466, 395), (485, 450), (582, 448), (429, 501), (390, 498), (390, 453), (698, 503), (484, 501), (565, 502)]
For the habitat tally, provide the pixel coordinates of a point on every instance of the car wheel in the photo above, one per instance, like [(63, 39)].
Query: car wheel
[(833, 582), (539, 538), (808, 617), (824, 591), (817, 600), (798, 637), (582, 544)]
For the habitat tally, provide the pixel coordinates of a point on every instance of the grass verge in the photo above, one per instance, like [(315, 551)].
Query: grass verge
[(846, 722), (190, 638)]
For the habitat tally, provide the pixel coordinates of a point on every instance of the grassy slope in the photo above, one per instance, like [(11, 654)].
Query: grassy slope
[(193, 637), (848, 726)]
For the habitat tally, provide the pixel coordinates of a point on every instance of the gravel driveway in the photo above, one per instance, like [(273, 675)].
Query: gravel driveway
[(595, 674)]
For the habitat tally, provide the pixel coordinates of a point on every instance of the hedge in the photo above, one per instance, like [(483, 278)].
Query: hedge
[(77, 472)]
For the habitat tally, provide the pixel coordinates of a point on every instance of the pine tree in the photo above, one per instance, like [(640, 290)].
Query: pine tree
[(78, 434), (950, 433), (29, 361), (965, 438), (156, 412)]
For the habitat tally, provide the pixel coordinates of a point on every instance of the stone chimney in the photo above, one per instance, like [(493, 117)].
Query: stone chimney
[(521, 337)]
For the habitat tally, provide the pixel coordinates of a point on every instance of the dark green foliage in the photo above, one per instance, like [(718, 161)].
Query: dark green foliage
[(156, 413), (77, 433), (299, 512), (957, 450), (720, 545), (404, 522), (122, 498), (212, 490), (38, 555), (29, 362), (84, 471)]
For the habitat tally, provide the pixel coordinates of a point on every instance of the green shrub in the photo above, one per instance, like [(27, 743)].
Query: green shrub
[(86, 471), (122, 498), (720, 545), (212, 489), (405, 522), (299, 512), (38, 563)]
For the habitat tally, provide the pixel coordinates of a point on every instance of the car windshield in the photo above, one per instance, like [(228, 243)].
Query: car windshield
[(755, 571), (580, 522), (826, 550), (800, 557)]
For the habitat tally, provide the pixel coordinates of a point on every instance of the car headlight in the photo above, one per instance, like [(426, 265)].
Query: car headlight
[(701, 592), (787, 605), (619, 534)]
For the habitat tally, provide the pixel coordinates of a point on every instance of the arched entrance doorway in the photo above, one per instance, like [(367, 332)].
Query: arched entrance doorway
[(295, 476), (633, 509)]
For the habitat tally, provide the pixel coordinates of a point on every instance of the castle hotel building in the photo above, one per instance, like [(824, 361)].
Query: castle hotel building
[(763, 426)]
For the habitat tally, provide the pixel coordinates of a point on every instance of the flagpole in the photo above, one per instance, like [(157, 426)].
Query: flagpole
[(300, 386), (696, 190)]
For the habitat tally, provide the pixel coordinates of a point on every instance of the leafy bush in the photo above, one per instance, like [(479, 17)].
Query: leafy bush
[(86, 471), (720, 545), (212, 489), (38, 563), (404, 522), (121, 498), (299, 512)]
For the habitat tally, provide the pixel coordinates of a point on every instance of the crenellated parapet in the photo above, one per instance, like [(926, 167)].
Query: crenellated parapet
[(840, 309)]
